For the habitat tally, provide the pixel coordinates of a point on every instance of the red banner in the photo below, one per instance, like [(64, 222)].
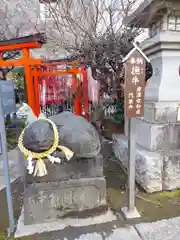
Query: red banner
[(54, 89)]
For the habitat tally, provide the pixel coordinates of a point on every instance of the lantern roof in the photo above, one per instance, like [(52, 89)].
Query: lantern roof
[(148, 12)]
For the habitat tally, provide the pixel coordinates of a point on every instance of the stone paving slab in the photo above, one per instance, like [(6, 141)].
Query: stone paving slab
[(58, 225), (160, 230), (128, 233), (14, 172)]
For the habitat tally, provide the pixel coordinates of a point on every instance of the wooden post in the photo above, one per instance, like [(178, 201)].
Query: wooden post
[(131, 165), (135, 63)]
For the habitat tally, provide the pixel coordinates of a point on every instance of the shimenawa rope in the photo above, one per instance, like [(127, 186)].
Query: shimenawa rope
[(40, 168)]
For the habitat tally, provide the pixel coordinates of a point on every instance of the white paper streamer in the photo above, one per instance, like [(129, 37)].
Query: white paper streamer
[(30, 166), (54, 159)]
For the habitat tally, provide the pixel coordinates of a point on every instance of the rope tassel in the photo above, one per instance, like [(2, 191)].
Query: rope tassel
[(40, 168), (68, 153)]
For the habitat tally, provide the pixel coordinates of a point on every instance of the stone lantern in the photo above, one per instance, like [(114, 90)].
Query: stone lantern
[(158, 132)]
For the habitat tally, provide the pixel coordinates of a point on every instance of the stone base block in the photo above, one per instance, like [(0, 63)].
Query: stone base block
[(156, 136), (161, 112), (58, 225), (74, 169), (149, 165), (152, 136), (130, 214), (171, 171), (47, 201), (154, 171)]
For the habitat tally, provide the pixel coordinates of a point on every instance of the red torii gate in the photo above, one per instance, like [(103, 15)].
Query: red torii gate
[(23, 44), (51, 70), (32, 70)]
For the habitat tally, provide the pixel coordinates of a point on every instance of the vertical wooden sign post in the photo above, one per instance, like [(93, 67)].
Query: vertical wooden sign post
[(135, 70)]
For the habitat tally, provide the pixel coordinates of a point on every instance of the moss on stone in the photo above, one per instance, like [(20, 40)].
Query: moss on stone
[(171, 194)]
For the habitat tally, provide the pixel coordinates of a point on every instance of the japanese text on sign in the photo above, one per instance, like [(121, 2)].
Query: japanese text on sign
[(8, 96), (134, 85)]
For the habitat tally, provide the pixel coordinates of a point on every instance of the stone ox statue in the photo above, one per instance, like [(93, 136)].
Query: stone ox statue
[(74, 133)]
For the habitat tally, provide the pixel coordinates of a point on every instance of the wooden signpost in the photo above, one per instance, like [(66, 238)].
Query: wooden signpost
[(135, 65), (134, 85)]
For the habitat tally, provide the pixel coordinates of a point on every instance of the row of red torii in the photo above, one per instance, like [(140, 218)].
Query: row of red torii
[(37, 70)]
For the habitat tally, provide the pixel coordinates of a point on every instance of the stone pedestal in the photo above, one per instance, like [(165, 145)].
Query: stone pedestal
[(73, 189), (53, 200), (149, 165), (158, 132), (158, 147)]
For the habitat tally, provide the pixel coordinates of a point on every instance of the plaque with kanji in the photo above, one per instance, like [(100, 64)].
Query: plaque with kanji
[(134, 85)]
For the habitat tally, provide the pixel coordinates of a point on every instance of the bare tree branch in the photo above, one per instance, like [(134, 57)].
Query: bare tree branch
[(16, 20)]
